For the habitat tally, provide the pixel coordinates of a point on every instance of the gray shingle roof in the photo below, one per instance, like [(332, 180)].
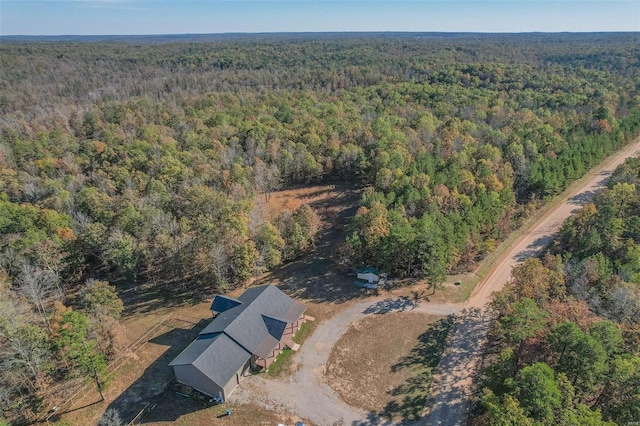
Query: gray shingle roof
[(215, 355), (252, 324), (245, 322)]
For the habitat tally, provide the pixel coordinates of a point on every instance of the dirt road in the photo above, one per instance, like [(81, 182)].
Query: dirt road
[(453, 382)]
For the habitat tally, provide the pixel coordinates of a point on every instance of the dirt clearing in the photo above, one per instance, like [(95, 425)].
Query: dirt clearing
[(189, 412), (291, 199), (313, 279), (383, 363)]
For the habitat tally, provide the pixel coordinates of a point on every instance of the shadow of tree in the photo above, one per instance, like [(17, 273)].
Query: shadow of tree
[(583, 198), (457, 368), (402, 303), (150, 297), (410, 397), (373, 419), (535, 248), (151, 386), (314, 276)]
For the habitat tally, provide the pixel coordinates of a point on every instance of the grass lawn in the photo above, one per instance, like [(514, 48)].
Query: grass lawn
[(282, 366), (384, 363)]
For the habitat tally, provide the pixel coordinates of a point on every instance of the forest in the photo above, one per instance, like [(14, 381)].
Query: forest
[(150, 161), (565, 348)]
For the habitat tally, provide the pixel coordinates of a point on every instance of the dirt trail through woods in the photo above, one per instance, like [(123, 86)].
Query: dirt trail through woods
[(453, 382)]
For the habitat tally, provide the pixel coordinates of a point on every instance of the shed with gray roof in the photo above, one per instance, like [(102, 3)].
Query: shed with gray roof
[(247, 332)]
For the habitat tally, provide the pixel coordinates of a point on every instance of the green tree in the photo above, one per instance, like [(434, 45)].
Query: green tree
[(608, 335), (122, 254), (71, 340), (537, 392), (270, 245), (580, 356), (564, 338), (505, 411), (620, 397), (524, 321), (243, 260), (101, 299)]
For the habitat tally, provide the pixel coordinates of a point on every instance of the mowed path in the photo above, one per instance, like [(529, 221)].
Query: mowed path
[(453, 382)]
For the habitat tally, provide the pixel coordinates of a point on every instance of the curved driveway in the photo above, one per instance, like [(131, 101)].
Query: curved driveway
[(306, 393)]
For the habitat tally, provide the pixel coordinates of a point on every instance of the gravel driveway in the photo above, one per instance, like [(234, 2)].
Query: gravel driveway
[(306, 393)]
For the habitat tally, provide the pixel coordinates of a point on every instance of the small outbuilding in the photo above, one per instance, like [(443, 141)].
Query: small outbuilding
[(368, 274), (247, 332)]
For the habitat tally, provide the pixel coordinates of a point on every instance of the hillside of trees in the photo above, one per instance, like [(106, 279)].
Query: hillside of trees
[(566, 347), (150, 161)]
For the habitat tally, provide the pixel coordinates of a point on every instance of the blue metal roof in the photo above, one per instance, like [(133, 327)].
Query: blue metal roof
[(223, 303)]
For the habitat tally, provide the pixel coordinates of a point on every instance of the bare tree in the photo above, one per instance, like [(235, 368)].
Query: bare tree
[(267, 178), (257, 217), (51, 258), (24, 354), (624, 303), (111, 417), (220, 264), (37, 285)]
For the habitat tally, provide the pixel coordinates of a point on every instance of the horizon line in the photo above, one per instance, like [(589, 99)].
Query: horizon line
[(325, 32)]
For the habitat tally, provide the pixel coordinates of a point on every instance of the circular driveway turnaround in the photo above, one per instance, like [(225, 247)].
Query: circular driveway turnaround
[(306, 393), (453, 381)]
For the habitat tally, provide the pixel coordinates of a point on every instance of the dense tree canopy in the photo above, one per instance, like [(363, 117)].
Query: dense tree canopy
[(152, 159), (572, 355)]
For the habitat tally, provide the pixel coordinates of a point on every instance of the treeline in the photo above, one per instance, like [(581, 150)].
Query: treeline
[(156, 156), (566, 347)]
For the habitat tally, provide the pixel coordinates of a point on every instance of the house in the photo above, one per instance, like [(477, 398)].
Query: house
[(369, 274), (247, 332)]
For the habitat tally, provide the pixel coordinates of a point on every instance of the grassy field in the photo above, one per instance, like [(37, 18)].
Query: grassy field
[(384, 363)]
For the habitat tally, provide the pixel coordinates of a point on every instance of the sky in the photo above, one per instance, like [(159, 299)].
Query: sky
[(102, 17)]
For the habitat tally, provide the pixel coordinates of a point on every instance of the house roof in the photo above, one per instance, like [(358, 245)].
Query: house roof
[(258, 321), (251, 324), (223, 303), (215, 355)]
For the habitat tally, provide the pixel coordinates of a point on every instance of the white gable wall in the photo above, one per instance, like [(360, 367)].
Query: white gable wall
[(368, 277)]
